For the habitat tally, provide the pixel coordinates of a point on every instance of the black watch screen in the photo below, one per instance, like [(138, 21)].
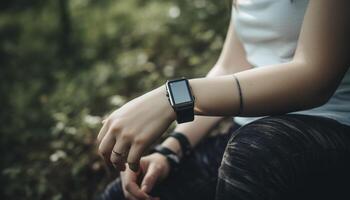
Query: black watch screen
[(181, 99)]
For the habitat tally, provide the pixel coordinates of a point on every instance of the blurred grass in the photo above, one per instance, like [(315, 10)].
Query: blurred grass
[(65, 64)]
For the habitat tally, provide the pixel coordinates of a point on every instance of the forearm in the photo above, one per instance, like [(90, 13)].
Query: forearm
[(268, 90), (201, 126), (319, 64)]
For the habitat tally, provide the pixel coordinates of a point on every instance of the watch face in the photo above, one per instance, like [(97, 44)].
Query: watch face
[(180, 92)]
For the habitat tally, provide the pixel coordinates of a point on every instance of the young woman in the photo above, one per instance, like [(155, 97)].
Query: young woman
[(286, 60)]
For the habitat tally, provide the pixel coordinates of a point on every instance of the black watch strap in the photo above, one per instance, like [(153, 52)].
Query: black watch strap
[(186, 148), (172, 157), (184, 115)]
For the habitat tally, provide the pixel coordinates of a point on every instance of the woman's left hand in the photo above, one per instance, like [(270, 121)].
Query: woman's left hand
[(131, 129)]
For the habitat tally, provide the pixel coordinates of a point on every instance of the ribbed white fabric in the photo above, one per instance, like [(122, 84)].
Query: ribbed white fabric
[(269, 31)]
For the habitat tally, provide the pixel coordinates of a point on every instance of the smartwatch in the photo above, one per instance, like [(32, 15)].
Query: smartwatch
[(181, 99)]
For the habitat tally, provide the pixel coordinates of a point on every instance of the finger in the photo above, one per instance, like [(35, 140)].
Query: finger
[(126, 177), (103, 131), (128, 196), (150, 179), (134, 156), (135, 191), (132, 187), (119, 154), (106, 147)]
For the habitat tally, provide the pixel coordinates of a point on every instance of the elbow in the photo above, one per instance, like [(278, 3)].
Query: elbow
[(322, 83), (313, 99), (322, 93), (321, 98)]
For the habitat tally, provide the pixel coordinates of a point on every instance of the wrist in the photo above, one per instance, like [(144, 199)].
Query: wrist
[(168, 110), (173, 145), (171, 157)]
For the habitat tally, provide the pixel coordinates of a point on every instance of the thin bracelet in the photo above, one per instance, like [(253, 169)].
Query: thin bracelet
[(240, 95)]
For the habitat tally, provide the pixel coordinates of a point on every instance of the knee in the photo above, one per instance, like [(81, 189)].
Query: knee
[(259, 145)]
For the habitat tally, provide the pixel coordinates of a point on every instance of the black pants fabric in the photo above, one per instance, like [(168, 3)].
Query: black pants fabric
[(280, 157)]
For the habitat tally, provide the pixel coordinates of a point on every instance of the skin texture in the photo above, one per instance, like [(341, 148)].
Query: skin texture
[(153, 168), (130, 129), (307, 81)]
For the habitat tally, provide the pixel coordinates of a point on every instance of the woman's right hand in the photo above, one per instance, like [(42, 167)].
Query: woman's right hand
[(153, 169)]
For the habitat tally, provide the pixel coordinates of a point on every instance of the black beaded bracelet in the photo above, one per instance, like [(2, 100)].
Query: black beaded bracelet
[(171, 156), (186, 148)]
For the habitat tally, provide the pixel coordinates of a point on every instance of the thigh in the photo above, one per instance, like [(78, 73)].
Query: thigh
[(285, 157)]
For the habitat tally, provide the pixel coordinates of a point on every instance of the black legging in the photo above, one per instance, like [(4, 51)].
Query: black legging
[(280, 157)]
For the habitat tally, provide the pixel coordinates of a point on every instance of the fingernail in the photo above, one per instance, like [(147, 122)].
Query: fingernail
[(134, 167), (123, 168)]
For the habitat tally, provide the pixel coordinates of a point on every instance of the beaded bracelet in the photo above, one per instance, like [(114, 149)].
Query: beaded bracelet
[(172, 158), (186, 148)]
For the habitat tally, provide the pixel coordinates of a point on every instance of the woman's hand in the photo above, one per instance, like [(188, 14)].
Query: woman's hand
[(131, 129), (154, 168)]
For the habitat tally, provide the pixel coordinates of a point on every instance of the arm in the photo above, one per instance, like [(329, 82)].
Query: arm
[(232, 59), (308, 81)]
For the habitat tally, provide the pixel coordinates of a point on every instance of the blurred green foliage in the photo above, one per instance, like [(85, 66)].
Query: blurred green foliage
[(65, 64)]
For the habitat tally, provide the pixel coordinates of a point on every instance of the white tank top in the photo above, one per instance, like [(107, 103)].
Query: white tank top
[(269, 31)]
